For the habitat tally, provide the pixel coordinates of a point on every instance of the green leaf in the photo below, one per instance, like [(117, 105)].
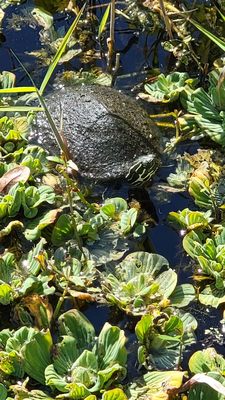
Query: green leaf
[(16, 109), (182, 295), (192, 244), (19, 89), (32, 263), (204, 391), (157, 383), (18, 339), (6, 294), (219, 42), (167, 282), (114, 394), (108, 210), (63, 230), (148, 262), (77, 391), (66, 354), (128, 219), (143, 326), (3, 392), (190, 220), (110, 347), (55, 380), (37, 356), (104, 20), (75, 324), (212, 296), (167, 88), (119, 204), (34, 228), (205, 361)]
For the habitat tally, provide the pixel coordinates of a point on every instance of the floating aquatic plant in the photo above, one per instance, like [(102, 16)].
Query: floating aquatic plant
[(209, 252), (206, 109), (163, 339), (143, 282), (79, 364), (167, 88), (191, 220)]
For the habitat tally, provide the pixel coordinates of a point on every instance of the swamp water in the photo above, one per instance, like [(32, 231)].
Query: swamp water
[(164, 239)]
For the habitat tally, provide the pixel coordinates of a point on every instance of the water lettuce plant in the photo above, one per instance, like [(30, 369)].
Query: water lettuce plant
[(209, 253), (156, 385), (189, 220), (106, 231), (163, 339), (78, 365), (143, 282), (167, 88), (212, 364), (205, 110)]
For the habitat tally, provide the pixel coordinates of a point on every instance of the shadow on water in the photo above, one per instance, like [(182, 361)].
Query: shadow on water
[(165, 240)]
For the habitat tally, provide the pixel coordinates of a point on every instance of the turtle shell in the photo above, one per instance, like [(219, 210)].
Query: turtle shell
[(106, 131)]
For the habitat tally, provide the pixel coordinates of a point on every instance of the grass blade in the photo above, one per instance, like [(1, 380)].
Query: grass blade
[(220, 43), (60, 51), (20, 109), (104, 20), (21, 89)]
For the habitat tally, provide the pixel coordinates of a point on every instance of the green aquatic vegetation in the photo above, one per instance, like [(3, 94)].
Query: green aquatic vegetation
[(74, 271), (79, 364), (212, 364), (204, 180), (13, 132), (163, 339), (156, 385), (209, 253), (207, 360), (94, 363), (207, 191), (25, 282), (93, 77), (106, 231), (207, 382), (26, 198), (191, 220), (144, 281), (206, 109), (180, 177), (7, 79), (167, 88), (20, 278), (139, 15), (22, 392)]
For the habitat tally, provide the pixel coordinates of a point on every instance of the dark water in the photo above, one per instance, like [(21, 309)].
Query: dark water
[(165, 240)]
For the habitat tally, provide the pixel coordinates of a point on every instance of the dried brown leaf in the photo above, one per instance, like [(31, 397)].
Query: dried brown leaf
[(15, 175)]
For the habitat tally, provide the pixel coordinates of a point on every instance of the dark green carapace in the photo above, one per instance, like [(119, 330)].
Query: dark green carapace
[(109, 135)]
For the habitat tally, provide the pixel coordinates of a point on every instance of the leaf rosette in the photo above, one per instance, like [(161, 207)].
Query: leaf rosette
[(144, 281), (210, 255)]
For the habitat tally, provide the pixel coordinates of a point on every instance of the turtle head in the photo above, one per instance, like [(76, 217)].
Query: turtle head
[(143, 169)]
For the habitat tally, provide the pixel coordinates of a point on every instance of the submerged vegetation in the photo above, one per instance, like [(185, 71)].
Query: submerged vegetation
[(69, 255)]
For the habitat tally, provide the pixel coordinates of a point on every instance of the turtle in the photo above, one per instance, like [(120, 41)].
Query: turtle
[(109, 135)]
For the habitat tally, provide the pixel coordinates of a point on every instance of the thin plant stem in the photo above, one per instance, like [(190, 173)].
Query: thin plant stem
[(111, 39), (166, 19), (77, 237), (60, 302)]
